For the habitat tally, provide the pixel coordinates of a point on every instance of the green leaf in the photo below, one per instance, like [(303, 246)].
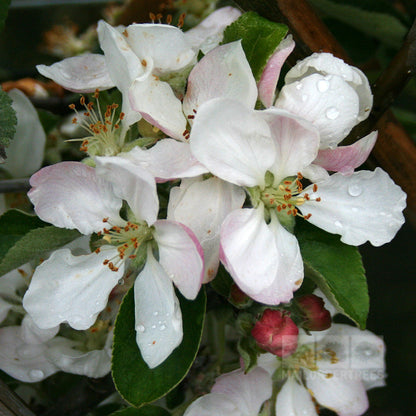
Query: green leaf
[(259, 38), (8, 119), (143, 411), (25, 237), (337, 269), (385, 27), (132, 377), (4, 7)]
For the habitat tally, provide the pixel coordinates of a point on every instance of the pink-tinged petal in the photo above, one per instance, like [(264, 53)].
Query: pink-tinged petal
[(249, 391), (181, 255), (168, 159), (22, 361), (327, 64), (70, 195), (328, 102), (133, 184), (73, 289), (164, 44), (32, 334), (25, 153), (248, 250), (203, 206), (345, 159), (344, 394), (365, 206), (294, 400), (84, 73), (268, 80), (296, 142), (64, 354), (213, 404), (209, 33), (288, 275), (233, 142), (223, 72), (157, 313), (157, 103)]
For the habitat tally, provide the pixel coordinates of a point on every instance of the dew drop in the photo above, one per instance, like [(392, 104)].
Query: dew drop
[(304, 98), (167, 314), (332, 145), (162, 327), (322, 85), (354, 209), (299, 86), (140, 328), (332, 113), (355, 190), (153, 326), (338, 224), (36, 375), (121, 281), (156, 313)]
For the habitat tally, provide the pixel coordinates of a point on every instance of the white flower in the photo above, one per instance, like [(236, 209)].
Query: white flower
[(74, 289)]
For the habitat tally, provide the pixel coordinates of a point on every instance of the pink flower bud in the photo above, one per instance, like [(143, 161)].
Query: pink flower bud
[(316, 317), (275, 332)]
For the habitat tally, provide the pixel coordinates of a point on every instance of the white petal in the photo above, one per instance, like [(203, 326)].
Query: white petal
[(209, 33), (69, 195), (364, 206), (248, 391), (32, 334), (205, 219), (164, 44), (315, 173), (296, 142), (328, 102), (22, 361), (168, 159), (157, 312), (345, 159), (268, 81), (132, 183), (325, 64), (248, 250), (73, 289), (233, 142), (84, 73), (344, 395), (181, 255), (213, 404), (223, 72), (268, 362), (294, 400), (25, 153), (65, 355), (158, 105)]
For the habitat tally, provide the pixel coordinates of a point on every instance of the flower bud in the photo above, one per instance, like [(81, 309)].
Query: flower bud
[(316, 317), (275, 332), (238, 298)]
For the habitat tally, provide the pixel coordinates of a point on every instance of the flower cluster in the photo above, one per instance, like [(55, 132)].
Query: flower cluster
[(239, 166)]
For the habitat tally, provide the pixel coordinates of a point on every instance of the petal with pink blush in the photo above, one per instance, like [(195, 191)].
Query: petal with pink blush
[(345, 159), (70, 195), (84, 73), (223, 72), (181, 255), (233, 142), (268, 80)]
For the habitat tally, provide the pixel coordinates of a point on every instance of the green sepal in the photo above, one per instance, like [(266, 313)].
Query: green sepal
[(259, 38), (248, 350), (337, 269), (138, 384)]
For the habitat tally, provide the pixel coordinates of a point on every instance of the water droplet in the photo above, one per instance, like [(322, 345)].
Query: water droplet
[(299, 85), (304, 98), (121, 281), (355, 190), (153, 326), (366, 350), (332, 145), (162, 327), (140, 328), (167, 314), (36, 375), (156, 313), (332, 113), (338, 224), (322, 85), (171, 276)]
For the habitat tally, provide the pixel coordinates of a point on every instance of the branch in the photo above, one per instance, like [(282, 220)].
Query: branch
[(11, 404), (14, 185)]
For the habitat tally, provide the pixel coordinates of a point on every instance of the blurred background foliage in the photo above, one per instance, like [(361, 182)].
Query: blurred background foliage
[(371, 31)]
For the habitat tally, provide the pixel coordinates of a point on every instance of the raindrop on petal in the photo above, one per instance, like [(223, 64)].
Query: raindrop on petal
[(366, 350), (304, 98), (338, 224), (36, 375), (140, 328), (322, 85), (299, 85), (355, 190), (162, 327), (332, 113)]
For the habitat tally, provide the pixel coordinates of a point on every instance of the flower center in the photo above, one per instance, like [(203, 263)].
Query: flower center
[(104, 137), (128, 240)]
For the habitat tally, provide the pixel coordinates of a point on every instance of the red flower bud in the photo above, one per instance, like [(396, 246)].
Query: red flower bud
[(316, 317), (275, 332)]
